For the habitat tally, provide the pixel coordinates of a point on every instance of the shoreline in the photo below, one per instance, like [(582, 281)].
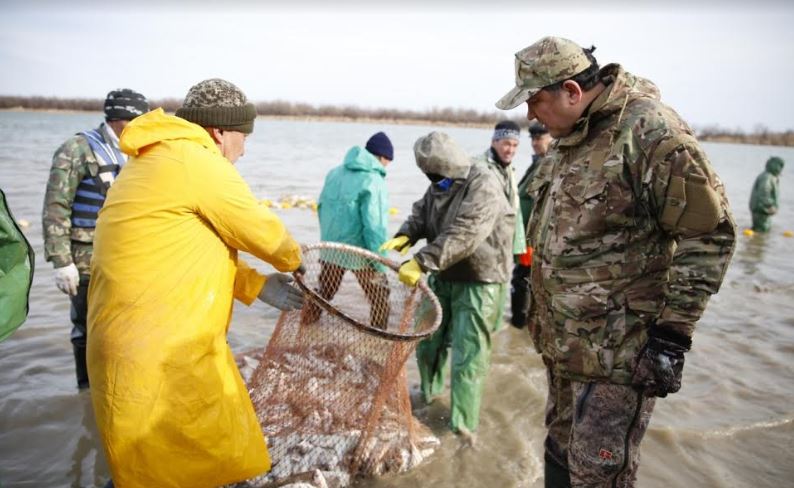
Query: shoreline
[(785, 139), (297, 118)]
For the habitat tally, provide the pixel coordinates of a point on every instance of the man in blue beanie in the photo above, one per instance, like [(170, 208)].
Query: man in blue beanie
[(354, 209)]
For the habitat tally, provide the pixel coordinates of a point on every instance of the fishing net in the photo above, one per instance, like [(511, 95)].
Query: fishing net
[(330, 387)]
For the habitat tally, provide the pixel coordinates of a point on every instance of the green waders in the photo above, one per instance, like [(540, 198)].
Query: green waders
[(471, 313)]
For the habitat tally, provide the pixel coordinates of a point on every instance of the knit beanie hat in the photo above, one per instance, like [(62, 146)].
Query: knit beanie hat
[(506, 129), (380, 145), (537, 129), (125, 104), (218, 103)]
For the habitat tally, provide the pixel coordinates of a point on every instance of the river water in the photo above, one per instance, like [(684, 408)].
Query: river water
[(731, 425)]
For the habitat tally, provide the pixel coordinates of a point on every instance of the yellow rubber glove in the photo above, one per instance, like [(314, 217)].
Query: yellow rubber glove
[(410, 272), (399, 243)]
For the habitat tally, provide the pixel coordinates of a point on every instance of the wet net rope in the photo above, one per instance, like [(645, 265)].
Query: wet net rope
[(330, 387)]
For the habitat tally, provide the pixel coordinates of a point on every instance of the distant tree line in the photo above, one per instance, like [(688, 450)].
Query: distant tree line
[(278, 108), (457, 116), (759, 135)]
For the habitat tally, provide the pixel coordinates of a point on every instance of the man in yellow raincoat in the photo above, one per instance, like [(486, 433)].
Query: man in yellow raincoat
[(169, 401)]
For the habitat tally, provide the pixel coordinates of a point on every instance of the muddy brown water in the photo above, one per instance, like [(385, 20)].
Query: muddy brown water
[(731, 425)]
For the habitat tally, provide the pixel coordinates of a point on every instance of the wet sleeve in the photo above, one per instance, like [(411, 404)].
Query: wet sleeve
[(473, 222), (683, 178), (373, 210), (248, 282), (68, 169), (224, 199)]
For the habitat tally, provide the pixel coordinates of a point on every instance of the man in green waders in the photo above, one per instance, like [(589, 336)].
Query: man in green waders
[(763, 199), (16, 272), (468, 225)]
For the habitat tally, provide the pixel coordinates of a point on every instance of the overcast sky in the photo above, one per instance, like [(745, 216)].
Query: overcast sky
[(716, 63)]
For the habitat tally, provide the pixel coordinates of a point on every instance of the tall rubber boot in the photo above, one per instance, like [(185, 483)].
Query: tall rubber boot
[(80, 366), (555, 475)]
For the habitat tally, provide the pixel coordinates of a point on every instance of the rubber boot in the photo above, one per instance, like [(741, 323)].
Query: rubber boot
[(555, 475), (80, 366)]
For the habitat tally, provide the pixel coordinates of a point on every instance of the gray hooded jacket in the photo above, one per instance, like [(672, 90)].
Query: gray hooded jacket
[(469, 226)]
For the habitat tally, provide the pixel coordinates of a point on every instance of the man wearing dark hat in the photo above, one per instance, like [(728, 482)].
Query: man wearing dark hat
[(168, 398), (520, 297), (83, 169), (631, 234), (354, 210)]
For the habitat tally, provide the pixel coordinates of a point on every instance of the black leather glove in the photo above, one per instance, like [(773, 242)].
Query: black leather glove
[(660, 365)]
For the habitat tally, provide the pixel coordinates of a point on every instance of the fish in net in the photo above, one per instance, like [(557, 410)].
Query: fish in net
[(330, 388)]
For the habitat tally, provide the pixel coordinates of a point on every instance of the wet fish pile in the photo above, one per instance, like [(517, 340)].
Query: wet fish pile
[(314, 404)]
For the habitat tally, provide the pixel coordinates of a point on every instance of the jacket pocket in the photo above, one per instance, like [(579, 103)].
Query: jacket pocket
[(580, 328)]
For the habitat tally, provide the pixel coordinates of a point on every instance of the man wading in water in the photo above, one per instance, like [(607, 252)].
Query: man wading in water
[(631, 234)]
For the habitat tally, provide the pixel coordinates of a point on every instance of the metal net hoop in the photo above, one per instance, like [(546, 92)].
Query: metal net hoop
[(330, 390)]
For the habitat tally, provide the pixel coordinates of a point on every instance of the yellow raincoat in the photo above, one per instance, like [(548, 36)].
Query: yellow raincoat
[(169, 401)]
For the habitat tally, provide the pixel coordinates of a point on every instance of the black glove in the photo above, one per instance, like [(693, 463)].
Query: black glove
[(660, 365)]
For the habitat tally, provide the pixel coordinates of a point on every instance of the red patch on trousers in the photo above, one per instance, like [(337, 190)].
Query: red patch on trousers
[(604, 454)]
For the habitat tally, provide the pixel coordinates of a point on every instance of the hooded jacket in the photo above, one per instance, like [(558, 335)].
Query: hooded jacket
[(354, 203), (169, 401), (764, 197), (632, 234), (468, 227)]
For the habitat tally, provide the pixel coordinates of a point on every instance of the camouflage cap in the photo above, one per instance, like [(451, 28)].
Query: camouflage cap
[(437, 153), (218, 103), (544, 63)]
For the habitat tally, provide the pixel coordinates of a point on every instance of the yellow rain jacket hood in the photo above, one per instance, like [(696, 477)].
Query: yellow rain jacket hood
[(169, 401)]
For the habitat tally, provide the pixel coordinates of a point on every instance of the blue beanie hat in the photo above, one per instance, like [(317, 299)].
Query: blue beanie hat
[(380, 145)]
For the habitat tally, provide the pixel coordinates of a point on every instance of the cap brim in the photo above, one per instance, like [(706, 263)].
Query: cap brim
[(515, 97)]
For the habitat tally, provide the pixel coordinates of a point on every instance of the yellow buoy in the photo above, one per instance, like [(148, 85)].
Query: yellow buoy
[(393, 211), (314, 206), (267, 203), (748, 232), (788, 233), (286, 205), (23, 223)]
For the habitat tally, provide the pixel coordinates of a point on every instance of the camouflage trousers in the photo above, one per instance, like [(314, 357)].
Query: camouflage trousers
[(81, 255), (595, 429)]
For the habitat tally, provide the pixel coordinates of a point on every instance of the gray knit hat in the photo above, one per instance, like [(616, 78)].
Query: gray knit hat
[(218, 103)]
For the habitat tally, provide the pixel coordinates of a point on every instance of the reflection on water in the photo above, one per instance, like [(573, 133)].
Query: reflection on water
[(750, 253), (87, 457), (731, 425)]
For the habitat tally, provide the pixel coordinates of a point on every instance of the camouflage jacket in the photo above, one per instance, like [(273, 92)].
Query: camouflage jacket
[(70, 164), (631, 231), (507, 179), (468, 228)]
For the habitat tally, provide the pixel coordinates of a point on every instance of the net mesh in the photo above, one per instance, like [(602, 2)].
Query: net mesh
[(330, 387)]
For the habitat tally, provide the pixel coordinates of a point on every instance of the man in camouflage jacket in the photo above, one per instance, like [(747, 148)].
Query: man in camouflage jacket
[(468, 225), (631, 233), (83, 169)]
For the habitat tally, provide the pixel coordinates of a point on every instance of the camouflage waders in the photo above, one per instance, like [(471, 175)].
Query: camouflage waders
[(595, 431)]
